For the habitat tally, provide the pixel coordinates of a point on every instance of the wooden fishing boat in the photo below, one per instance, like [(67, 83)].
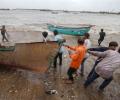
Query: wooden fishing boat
[(70, 30), (31, 56)]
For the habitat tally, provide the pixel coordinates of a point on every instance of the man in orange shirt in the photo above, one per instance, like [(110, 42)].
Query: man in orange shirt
[(77, 58)]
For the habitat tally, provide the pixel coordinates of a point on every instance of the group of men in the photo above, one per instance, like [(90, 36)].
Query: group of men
[(108, 59)]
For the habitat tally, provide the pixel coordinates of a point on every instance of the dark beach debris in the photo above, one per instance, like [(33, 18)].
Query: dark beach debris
[(51, 92), (13, 91)]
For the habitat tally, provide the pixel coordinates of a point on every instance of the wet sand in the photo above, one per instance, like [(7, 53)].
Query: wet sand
[(29, 85)]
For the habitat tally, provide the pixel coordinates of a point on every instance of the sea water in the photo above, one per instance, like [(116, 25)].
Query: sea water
[(36, 20)]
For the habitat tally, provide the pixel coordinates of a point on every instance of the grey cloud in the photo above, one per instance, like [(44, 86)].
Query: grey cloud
[(95, 5)]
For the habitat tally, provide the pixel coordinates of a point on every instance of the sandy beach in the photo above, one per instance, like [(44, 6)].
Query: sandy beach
[(18, 84)]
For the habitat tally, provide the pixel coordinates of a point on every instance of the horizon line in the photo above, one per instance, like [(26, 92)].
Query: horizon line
[(45, 9)]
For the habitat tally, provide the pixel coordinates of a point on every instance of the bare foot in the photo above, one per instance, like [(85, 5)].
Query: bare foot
[(69, 82)]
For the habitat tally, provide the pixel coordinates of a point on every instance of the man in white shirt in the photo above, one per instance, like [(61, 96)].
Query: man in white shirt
[(106, 67), (45, 34), (60, 40)]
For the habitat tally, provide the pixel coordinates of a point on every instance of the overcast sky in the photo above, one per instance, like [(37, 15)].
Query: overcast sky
[(77, 5)]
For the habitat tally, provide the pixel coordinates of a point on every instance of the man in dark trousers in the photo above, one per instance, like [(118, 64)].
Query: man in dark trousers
[(60, 40), (99, 49), (3, 31), (106, 67), (102, 35)]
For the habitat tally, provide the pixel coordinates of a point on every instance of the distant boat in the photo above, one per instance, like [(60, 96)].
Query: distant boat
[(53, 12), (70, 30)]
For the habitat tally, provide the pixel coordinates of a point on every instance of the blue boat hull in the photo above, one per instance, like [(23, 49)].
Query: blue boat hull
[(69, 30)]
